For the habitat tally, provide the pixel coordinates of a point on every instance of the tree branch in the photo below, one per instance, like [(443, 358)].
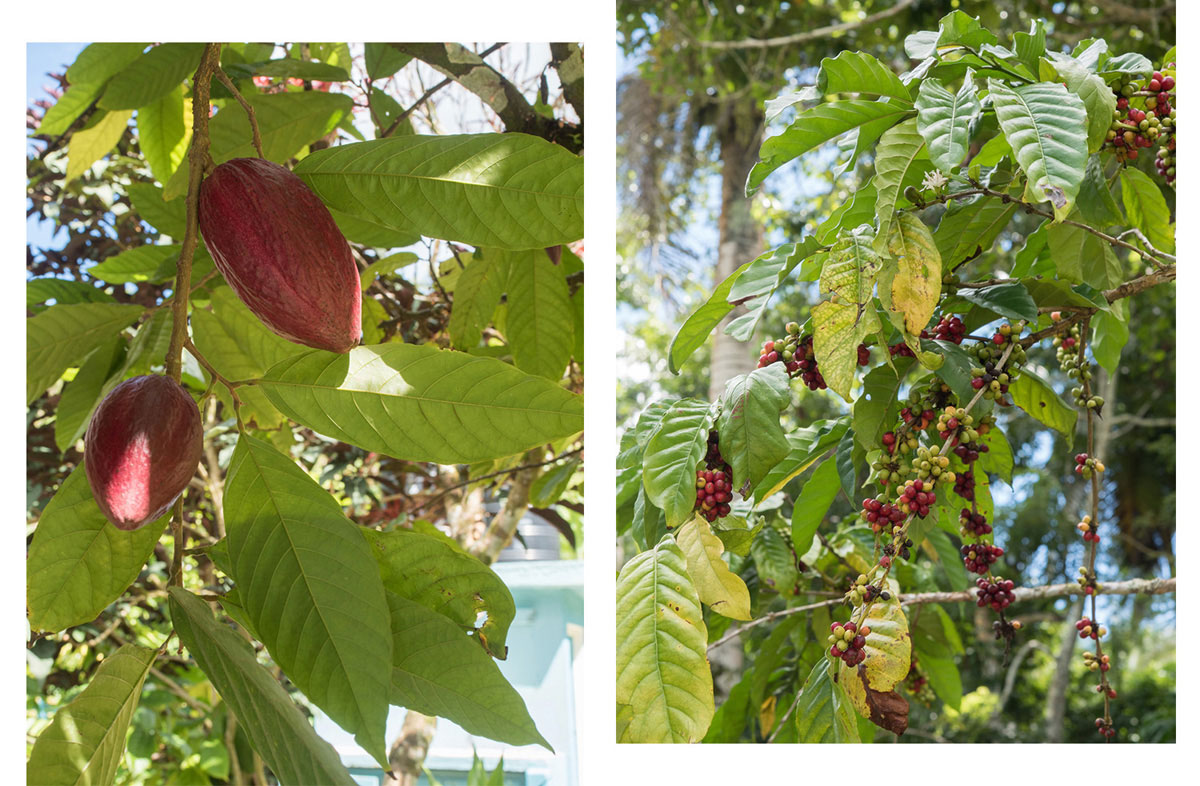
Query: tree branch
[(808, 35)]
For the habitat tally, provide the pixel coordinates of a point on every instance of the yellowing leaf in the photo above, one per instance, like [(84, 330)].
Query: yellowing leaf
[(721, 589), (93, 143), (918, 282)]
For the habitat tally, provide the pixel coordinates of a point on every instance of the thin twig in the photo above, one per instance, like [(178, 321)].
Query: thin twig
[(225, 80), (469, 481), (809, 35)]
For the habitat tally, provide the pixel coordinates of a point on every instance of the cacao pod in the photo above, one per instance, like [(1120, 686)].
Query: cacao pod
[(278, 247), (141, 449)]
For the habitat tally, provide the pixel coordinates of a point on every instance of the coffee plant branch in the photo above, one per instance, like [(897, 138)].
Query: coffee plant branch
[(1156, 586), (808, 35)]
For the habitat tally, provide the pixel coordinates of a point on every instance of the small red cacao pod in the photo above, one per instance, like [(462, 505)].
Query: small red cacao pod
[(278, 247), (141, 449)]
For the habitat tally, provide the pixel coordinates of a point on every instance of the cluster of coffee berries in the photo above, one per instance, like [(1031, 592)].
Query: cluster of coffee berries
[(1105, 728), (862, 591), (1085, 465), (848, 642), (917, 419), (993, 378), (1144, 115), (979, 557), (917, 497), (1002, 629), (864, 354), (973, 525), (714, 482), (1089, 629), (899, 547), (1087, 581), (964, 485), (1090, 535), (796, 354), (918, 684), (956, 425), (881, 515), (1066, 348), (1094, 663), (928, 464), (996, 593), (969, 451), (947, 329), (901, 350)]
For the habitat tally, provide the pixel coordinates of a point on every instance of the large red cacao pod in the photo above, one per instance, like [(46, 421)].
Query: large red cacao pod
[(142, 448), (278, 247)]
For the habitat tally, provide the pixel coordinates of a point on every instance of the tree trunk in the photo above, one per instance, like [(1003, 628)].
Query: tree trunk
[(1056, 699), (739, 131), (408, 752)]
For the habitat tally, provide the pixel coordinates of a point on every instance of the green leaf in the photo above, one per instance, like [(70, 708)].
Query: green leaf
[(427, 567), (662, 667), (751, 436), (310, 585), (1129, 63), (672, 456), (1032, 394), (87, 77), (85, 741), (969, 229), (649, 524), (151, 76), (67, 109), (696, 329), (881, 386), (999, 458), (1046, 126), (1097, 97), (387, 266), (476, 295), (439, 670), (1010, 299), (300, 69), (287, 122), (755, 285), (944, 120), (83, 394), (1081, 257), (949, 556), (539, 327), (137, 265), (1096, 203), (718, 588), (955, 370), (93, 142), (383, 60), (897, 150), (859, 72), (823, 712), (844, 459), (511, 191), (816, 126), (552, 484), (813, 503), (1110, 334), (167, 217), (1147, 209), (805, 446), (373, 234), (775, 562), (421, 403), (78, 563), (63, 335), (164, 131), (62, 291), (279, 732), (944, 679), (917, 285)]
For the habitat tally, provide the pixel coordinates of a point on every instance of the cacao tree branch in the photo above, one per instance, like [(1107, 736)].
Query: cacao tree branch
[(425, 97), (225, 80), (469, 481), (1154, 586), (567, 60)]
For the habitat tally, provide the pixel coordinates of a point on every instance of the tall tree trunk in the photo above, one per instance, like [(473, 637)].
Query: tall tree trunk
[(739, 130), (408, 752), (1056, 699)]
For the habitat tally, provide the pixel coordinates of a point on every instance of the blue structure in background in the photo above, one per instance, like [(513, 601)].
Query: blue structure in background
[(544, 642)]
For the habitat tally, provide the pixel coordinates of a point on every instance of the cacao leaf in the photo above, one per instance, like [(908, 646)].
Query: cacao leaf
[(427, 567), (78, 563), (422, 404), (277, 729), (310, 585), (151, 76), (510, 191), (94, 141), (540, 326), (85, 741), (63, 335)]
